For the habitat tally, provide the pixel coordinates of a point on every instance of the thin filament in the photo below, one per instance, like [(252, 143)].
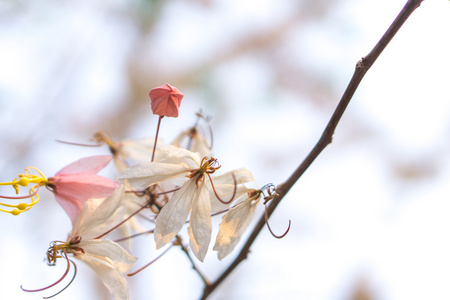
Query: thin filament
[(267, 223), (158, 257), (70, 282), (79, 144), (24, 197), (55, 283), (134, 235), (126, 219), (215, 192)]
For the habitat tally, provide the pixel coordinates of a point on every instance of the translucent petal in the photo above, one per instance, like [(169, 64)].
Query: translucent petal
[(175, 155), (110, 276), (200, 223), (174, 214), (87, 165), (137, 150), (242, 175), (143, 175), (233, 225), (88, 223), (73, 190), (119, 257)]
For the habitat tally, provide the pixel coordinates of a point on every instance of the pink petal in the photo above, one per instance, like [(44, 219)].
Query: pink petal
[(70, 205), (72, 191), (87, 165), (166, 100)]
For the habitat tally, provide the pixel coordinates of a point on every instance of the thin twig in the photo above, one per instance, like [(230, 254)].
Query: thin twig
[(361, 69), (185, 250)]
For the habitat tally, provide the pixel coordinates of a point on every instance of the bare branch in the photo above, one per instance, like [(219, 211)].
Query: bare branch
[(361, 69)]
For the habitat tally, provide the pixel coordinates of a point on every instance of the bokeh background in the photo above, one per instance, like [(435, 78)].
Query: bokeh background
[(370, 218)]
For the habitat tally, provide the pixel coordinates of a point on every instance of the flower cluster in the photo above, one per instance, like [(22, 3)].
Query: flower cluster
[(159, 189)]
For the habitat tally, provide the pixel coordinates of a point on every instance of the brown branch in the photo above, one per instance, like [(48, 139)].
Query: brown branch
[(361, 69), (179, 242)]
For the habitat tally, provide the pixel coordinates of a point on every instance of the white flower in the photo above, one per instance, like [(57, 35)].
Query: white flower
[(192, 172), (196, 142), (107, 258), (235, 222)]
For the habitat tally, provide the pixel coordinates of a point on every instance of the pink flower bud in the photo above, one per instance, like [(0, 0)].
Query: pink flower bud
[(166, 100)]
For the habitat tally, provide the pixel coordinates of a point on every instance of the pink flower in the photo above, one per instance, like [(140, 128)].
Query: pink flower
[(166, 100), (78, 182)]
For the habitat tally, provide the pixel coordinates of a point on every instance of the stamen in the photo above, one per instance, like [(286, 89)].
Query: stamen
[(58, 281), (167, 192), (266, 215), (70, 282), (215, 192), (158, 257), (100, 143), (200, 116), (21, 207), (126, 219), (23, 197), (271, 191), (134, 235)]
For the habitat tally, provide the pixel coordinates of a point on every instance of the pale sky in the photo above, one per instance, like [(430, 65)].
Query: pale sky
[(373, 209)]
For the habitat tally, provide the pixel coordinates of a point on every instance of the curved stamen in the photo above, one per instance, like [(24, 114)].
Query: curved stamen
[(266, 215), (122, 222), (215, 192), (70, 282), (211, 137), (271, 191), (24, 197), (100, 143), (134, 235), (206, 119), (167, 192), (40, 173), (158, 257), (53, 284)]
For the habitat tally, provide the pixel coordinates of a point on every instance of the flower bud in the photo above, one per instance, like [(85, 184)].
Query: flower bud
[(165, 100)]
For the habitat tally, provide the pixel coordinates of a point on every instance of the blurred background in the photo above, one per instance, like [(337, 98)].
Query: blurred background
[(370, 216)]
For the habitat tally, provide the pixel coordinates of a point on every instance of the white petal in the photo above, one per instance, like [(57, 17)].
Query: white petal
[(233, 225), (143, 175), (242, 175), (110, 276), (200, 223), (201, 146), (175, 155), (174, 214), (137, 150), (119, 257), (92, 222), (225, 192)]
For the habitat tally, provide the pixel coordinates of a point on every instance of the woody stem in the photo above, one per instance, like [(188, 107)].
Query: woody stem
[(185, 250), (361, 69)]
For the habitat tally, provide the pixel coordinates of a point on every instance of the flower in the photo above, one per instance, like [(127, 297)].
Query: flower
[(191, 171), (196, 142), (126, 152), (107, 258), (72, 185), (166, 100), (78, 182), (235, 222), (193, 139)]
